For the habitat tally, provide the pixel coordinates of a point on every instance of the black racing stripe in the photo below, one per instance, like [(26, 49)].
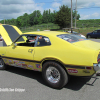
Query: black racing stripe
[(73, 66), (21, 59), (13, 34)]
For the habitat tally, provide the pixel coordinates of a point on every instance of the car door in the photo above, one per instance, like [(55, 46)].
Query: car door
[(21, 53), (94, 34), (42, 48), (98, 33)]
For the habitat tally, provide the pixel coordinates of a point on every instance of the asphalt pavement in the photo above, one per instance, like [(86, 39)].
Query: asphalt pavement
[(22, 84)]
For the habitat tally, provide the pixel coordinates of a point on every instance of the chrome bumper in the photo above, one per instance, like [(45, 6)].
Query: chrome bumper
[(96, 67)]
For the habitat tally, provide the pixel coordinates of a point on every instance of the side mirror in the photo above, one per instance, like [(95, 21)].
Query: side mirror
[(14, 45)]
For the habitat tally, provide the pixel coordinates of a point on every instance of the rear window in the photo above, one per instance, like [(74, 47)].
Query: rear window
[(71, 37)]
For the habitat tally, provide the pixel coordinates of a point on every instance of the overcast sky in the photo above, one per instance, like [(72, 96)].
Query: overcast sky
[(88, 9)]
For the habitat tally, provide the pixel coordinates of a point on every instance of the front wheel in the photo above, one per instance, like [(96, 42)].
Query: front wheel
[(54, 75), (2, 64), (88, 36)]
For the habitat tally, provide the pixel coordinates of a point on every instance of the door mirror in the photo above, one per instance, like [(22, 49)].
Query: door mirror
[(14, 45)]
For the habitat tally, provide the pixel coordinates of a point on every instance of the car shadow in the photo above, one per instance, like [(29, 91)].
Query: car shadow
[(26, 73), (75, 83)]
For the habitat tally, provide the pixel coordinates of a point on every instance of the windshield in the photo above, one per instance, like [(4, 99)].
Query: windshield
[(71, 37)]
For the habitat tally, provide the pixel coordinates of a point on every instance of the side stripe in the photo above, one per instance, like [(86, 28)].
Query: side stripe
[(21, 59), (67, 66), (73, 66)]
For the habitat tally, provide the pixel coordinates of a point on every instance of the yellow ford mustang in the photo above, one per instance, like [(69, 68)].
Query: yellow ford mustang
[(56, 54)]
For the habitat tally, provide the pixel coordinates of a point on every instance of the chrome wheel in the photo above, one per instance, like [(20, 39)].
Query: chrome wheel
[(53, 74)]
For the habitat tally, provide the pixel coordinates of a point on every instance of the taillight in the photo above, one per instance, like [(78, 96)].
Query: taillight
[(89, 68)]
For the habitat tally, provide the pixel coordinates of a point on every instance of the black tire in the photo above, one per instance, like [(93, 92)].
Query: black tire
[(2, 64), (88, 36), (54, 75)]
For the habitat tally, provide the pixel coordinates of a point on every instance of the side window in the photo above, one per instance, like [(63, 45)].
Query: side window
[(95, 31), (43, 41), (21, 39), (26, 40), (98, 31)]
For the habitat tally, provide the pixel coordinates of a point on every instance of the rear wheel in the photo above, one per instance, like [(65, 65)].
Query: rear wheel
[(2, 64), (54, 75)]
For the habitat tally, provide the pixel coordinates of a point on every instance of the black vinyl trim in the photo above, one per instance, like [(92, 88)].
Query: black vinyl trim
[(21, 59), (73, 66)]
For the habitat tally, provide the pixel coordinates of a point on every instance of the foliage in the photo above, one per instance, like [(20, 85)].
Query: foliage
[(48, 17), (62, 18), (74, 15), (23, 20)]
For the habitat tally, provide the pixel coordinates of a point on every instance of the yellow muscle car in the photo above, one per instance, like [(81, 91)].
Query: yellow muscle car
[(56, 54)]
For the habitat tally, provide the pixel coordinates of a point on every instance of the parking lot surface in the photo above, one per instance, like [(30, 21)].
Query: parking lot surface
[(22, 84)]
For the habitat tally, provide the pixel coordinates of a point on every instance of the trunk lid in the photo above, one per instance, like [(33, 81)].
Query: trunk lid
[(88, 44)]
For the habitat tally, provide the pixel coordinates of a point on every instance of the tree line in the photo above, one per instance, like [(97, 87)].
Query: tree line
[(61, 17)]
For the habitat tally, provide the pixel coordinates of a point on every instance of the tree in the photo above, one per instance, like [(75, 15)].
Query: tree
[(25, 20), (38, 17), (46, 16), (74, 15), (35, 18), (51, 17), (19, 21), (63, 17)]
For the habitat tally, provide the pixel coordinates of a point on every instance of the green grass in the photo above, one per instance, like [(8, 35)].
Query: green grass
[(84, 31), (55, 27), (41, 27)]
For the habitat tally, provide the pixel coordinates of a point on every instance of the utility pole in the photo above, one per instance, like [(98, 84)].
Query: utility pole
[(4, 20), (71, 17), (76, 14)]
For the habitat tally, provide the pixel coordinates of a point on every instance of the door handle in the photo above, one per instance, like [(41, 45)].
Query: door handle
[(30, 50)]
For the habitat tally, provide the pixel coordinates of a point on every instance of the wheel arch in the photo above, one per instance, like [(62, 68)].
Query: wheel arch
[(54, 60)]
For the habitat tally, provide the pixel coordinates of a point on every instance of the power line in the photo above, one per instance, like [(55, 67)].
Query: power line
[(88, 8)]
